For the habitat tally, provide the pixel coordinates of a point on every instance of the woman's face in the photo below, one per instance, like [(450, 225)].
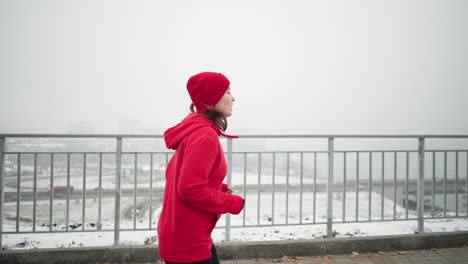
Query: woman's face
[(225, 104)]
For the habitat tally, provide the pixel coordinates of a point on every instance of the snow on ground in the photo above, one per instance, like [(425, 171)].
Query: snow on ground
[(89, 239)]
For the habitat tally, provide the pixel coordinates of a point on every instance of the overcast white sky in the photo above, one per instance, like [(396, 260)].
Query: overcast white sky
[(296, 67)]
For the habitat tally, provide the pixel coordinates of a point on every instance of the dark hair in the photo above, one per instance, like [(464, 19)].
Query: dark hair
[(214, 115)]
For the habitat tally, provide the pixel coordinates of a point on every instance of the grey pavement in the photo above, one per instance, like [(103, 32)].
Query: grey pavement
[(447, 247), (445, 255)]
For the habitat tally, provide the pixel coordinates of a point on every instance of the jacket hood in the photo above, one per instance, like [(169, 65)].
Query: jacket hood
[(174, 135)]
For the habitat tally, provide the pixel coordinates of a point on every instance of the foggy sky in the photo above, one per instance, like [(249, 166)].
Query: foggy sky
[(296, 67)]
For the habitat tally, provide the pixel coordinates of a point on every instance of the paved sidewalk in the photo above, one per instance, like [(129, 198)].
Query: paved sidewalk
[(409, 248), (442, 256)]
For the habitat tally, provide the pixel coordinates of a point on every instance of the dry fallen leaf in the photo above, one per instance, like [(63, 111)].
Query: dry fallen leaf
[(355, 253), (316, 258), (369, 254), (401, 252), (277, 260), (326, 257), (381, 253)]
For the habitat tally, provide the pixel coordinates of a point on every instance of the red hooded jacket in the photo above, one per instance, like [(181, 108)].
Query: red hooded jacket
[(193, 198)]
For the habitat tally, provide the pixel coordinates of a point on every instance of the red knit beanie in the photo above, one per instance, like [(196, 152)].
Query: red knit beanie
[(207, 88)]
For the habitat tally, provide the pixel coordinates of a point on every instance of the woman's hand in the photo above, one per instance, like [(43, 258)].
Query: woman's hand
[(228, 190)]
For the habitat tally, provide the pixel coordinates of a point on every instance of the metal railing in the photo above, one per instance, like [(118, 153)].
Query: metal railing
[(290, 179)]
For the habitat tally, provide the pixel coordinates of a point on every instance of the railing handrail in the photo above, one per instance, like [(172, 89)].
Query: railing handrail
[(352, 136), (79, 136), (240, 136)]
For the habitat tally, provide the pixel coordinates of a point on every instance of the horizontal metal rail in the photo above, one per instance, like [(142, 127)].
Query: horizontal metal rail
[(240, 136)]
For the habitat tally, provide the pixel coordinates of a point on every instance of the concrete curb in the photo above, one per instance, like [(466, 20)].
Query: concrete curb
[(243, 250)]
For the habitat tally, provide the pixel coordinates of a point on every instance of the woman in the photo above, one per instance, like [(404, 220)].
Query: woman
[(195, 195)]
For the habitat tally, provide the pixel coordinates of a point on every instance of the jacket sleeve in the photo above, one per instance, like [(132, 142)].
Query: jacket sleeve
[(193, 188)]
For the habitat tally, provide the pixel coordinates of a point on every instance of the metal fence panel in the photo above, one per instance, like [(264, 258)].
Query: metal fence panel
[(284, 177)]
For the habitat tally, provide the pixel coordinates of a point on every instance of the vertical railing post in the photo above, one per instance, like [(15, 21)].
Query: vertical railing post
[(2, 185), (118, 191), (330, 187), (229, 181), (420, 192)]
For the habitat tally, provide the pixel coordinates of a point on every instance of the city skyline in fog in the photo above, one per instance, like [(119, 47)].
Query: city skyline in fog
[(300, 67)]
